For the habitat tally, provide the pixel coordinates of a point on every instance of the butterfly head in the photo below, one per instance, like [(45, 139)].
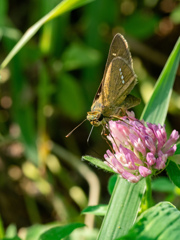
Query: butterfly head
[(96, 118)]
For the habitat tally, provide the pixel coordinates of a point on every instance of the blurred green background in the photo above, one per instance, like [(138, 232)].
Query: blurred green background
[(49, 86)]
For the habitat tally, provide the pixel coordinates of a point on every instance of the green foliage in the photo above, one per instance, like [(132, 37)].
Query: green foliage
[(49, 76), (111, 183), (58, 233), (155, 111), (98, 163), (68, 89), (173, 171), (87, 57), (163, 184), (175, 15), (14, 238), (135, 24), (98, 210), (161, 221), (62, 7), (35, 231)]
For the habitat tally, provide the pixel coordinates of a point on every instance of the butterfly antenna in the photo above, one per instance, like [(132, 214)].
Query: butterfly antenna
[(90, 134), (75, 128)]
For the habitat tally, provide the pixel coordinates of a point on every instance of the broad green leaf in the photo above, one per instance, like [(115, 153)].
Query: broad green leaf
[(62, 7), (98, 210), (35, 231), (163, 184), (178, 149), (175, 15), (112, 182), (84, 234), (70, 97), (173, 168), (123, 209), (86, 57), (13, 238), (159, 222), (134, 24), (156, 109), (57, 233), (11, 231), (98, 163), (173, 171)]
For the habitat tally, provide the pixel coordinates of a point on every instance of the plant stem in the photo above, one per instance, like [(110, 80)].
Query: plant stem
[(148, 192)]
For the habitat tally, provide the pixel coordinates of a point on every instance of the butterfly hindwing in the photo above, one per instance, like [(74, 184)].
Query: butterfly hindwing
[(118, 83)]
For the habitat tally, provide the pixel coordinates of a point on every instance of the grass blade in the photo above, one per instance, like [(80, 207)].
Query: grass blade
[(62, 7)]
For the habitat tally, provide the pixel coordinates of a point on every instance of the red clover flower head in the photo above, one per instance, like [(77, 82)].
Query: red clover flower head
[(139, 149)]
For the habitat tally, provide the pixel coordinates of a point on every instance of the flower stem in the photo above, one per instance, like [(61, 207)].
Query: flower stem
[(148, 192)]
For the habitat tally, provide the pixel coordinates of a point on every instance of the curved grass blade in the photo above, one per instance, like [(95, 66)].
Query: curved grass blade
[(62, 7), (156, 109)]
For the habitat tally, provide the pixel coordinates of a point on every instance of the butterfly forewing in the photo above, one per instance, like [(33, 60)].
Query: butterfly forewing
[(118, 48)]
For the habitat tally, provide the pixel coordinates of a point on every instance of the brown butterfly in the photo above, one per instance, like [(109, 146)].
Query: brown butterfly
[(112, 98)]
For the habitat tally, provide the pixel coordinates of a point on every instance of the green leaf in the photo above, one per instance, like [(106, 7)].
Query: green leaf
[(97, 162), (78, 56), (173, 171), (163, 184), (156, 109), (62, 7), (57, 233), (11, 231), (134, 24), (35, 231), (178, 149), (14, 238), (70, 97), (123, 209), (3, 13), (84, 234), (173, 168), (112, 182), (175, 15), (159, 222), (98, 210)]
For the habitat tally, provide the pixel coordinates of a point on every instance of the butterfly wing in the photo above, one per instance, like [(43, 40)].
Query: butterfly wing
[(120, 79), (118, 48)]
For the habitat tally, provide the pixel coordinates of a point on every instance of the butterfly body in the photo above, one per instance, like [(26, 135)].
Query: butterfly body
[(113, 96)]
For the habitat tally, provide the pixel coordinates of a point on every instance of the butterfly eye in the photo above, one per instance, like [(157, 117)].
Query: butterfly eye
[(100, 117)]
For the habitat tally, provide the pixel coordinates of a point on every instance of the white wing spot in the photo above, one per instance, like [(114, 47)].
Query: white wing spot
[(122, 77)]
